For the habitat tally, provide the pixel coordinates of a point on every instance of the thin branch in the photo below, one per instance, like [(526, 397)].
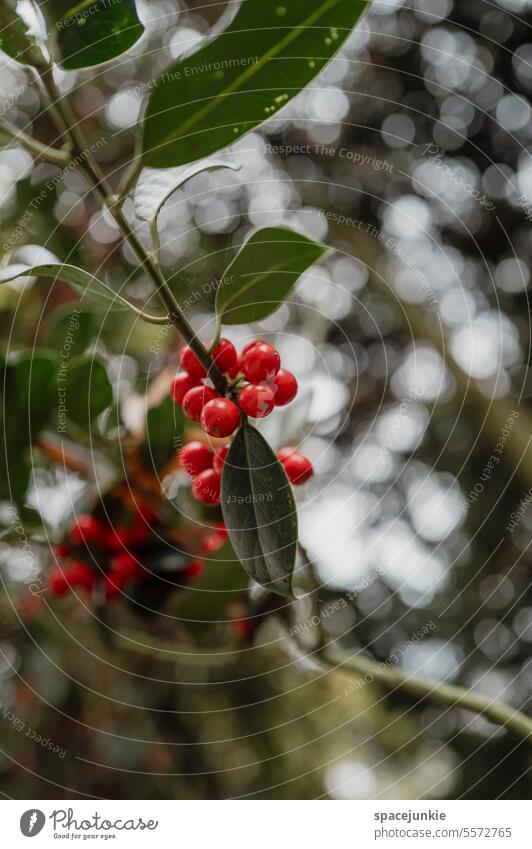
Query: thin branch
[(426, 688), (92, 171), (49, 154)]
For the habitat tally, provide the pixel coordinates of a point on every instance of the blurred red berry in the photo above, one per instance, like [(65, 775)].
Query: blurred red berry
[(260, 362), (206, 487), (62, 551), (220, 417), (112, 584), (125, 565), (212, 543), (190, 363), (283, 453), (297, 467), (257, 400), (57, 583), (225, 355), (88, 529), (180, 385), (195, 400), (194, 569), (285, 387), (219, 458), (241, 628), (81, 575), (195, 457), (221, 530)]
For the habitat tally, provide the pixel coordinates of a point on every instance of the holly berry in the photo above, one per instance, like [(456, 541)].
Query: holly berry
[(249, 345), (298, 468), (285, 387), (212, 543), (88, 529), (180, 385), (219, 458), (225, 355), (57, 583), (190, 363), (194, 569), (260, 362), (236, 369), (62, 551), (220, 417), (112, 584), (125, 566), (206, 487), (257, 400), (195, 400), (80, 575), (241, 628), (195, 457), (221, 529)]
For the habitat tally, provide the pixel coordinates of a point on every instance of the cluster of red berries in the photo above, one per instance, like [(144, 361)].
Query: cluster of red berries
[(298, 468), (205, 467), (258, 383), (111, 541)]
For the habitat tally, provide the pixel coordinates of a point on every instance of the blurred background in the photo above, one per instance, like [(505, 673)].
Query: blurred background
[(411, 155)]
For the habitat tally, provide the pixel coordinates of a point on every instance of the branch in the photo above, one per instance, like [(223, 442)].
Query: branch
[(49, 154), (90, 168), (425, 688)]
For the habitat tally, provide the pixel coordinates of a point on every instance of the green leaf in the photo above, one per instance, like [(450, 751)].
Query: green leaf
[(238, 80), (70, 330), (87, 390), (92, 31), (164, 434), (259, 511), (17, 38), (262, 274), (155, 187), (205, 603), (85, 283)]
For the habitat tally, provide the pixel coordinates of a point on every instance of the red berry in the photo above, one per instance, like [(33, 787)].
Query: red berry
[(206, 487), (189, 362), (126, 565), (212, 543), (249, 345), (57, 583), (80, 575), (88, 529), (283, 453), (221, 530), (220, 417), (298, 468), (195, 457), (195, 400), (219, 458), (194, 569), (260, 362), (117, 537), (112, 583), (241, 627), (236, 369), (257, 400), (180, 385), (285, 387), (62, 551), (225, 355)]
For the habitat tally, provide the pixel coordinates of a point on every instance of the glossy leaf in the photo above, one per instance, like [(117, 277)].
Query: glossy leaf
[(17, 37), (238, 80), (156, 186), (85, 283), (87, 390), (262, 274), (93, 31), (70, 329), (259, 511)]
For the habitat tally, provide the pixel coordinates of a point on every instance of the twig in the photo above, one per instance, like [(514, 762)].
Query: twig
[(49, 154)]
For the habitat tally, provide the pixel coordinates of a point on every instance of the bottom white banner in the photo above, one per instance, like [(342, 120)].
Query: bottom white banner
[(235, 824)]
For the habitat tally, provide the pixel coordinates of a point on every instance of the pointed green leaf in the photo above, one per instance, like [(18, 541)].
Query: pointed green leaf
[(263, 273), (93, 31), (17, 37), (85, 283), (70, 329), (259, 511), (238, 80), (87, 391)]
